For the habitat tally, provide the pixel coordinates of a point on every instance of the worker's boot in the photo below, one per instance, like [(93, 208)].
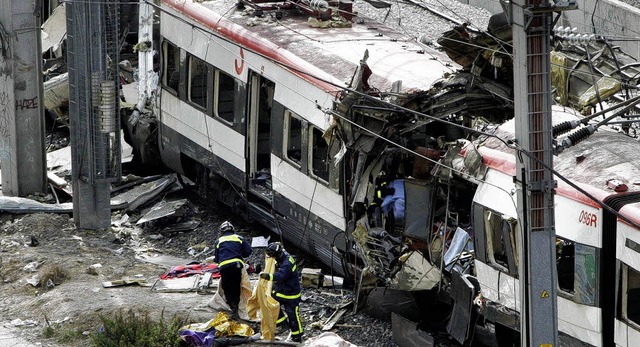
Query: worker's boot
[(234, 312)]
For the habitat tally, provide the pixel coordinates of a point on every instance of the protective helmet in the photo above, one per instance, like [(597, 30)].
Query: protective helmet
[(226, 226), (275, 249)]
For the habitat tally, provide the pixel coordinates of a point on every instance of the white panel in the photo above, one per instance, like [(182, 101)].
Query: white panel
[(501, 199), (491, 280), (621, 334), (576, 221), (299, 188), (193, 124), (301, 96), (580, 321), (633, 337), (627, 255)]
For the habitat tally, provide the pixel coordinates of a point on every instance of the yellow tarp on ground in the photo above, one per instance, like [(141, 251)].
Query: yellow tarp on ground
[(261, 300), (223, 325)]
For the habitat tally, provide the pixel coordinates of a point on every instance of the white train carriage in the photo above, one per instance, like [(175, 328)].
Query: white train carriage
[(245, 107), (598, 253)]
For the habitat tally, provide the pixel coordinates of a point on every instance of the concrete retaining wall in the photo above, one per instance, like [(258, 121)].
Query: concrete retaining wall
[(614, 19)]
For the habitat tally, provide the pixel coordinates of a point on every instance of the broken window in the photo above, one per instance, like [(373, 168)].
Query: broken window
[(293, 137), (565, 264), (171, 66), (319, 151), (501, 235), (197, 90), (225, 96), (631, 294), (577, 271)]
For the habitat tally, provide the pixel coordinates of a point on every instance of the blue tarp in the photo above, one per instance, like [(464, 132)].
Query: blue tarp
[(395, 202)]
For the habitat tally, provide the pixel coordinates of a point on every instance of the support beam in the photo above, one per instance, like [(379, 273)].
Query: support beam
[(532, 25), (22, 130)]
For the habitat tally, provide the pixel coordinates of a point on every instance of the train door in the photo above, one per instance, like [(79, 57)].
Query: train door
[(259, 133)]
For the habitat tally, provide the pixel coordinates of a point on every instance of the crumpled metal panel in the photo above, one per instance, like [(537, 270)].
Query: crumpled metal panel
[(498, 287), (462, 293), (162, 209), (416, 273)]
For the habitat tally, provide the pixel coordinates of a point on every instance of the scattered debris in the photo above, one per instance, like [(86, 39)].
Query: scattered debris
[(127, 281)]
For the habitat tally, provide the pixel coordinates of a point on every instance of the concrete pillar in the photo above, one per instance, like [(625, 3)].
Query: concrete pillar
[(22, 156)]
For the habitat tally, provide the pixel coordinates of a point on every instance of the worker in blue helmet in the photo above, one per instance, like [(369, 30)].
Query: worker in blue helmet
[(231, 249), (286, 289)]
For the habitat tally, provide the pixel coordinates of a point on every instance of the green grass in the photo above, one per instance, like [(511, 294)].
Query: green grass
[(124, 329)]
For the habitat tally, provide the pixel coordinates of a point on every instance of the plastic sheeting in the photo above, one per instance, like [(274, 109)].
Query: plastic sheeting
[(262, 302), (222, 325), (219, 303)]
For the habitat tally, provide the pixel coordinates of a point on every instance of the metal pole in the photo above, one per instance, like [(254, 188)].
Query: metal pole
[(532, 23)]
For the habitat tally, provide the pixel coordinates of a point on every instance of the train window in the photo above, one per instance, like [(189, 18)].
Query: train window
[(501, 235), (225, 96), (586, 274), (293, 137), (318, 152), (197, 91), (565, 264), (577, 271), (171, 65), (631, 292)]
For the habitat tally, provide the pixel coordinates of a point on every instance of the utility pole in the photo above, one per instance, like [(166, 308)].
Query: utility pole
[(93, 48), (532, 23), (22, 131)]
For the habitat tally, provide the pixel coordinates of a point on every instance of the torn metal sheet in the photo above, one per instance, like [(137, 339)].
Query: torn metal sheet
[(419, 196), (144, 193), (406, 333), (127, 281), (163, 209), (56, 93), (20, 205), (187, 284), (416, 273), (54, 29), (462, 319)]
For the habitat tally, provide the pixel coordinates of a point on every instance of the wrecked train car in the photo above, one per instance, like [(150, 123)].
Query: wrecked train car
[(296, 116), (360, 147), (597, 264), (597, 228), (587, 70)]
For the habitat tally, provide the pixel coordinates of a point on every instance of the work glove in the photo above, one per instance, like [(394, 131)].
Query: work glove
[(265, 275)]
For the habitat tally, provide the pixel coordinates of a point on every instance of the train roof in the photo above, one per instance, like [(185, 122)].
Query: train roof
[(335, 51), (598, 164)]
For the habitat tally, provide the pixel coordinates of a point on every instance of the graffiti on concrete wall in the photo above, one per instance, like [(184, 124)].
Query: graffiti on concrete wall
[(27, 104), (6, 108)]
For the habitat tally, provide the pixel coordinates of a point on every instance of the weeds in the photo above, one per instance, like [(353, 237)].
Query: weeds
[(54, 272), (126, 329)]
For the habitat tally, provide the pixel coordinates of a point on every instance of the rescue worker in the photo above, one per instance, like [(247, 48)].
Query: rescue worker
[(230, 251), (286, 289)]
